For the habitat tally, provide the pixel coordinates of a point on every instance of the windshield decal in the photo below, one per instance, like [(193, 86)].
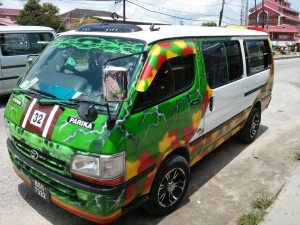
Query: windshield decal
[(122, 46)]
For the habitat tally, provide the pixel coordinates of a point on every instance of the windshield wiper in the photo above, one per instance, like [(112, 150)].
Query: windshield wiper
[(43, 93), (33, 91), (85, 101)]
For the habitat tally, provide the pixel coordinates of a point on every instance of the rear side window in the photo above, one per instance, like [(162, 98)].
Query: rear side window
[(174, 77), (24, 43), (223, 62), (258, 56)]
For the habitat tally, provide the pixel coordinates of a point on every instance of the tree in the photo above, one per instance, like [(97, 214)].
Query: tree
[(40, 15), (209, 24)]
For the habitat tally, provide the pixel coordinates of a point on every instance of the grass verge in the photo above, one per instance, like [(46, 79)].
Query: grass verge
[(258, 210), (297, 155)]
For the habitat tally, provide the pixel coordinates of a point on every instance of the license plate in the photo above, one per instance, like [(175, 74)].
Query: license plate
[(40, 189)]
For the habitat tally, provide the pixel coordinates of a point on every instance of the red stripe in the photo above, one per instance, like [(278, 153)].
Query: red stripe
[(44, 109), (53, 123)]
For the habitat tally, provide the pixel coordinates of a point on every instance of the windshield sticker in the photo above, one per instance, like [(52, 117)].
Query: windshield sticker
[(76, 95), (17, 101), (27, 84), (81, 123)]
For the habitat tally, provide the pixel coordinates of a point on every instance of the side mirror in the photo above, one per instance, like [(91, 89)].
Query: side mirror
[(115, 83), (30, 60)]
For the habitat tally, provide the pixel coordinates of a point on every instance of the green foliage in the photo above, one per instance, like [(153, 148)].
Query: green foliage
[(251, 218), (263, 203), (297, 155), (258, 212), (209, 24), (40, 15)]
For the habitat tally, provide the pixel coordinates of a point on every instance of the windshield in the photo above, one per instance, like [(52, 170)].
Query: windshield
[(72, 66)]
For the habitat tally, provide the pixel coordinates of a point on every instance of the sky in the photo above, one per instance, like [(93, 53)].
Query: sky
[(192, 12)]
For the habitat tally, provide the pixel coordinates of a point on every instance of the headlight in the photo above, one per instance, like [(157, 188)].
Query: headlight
[(7, 131), (86, 166), (104, 167)]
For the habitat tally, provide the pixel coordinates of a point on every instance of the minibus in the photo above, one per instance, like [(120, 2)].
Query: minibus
[(17, 43), (112, 116)]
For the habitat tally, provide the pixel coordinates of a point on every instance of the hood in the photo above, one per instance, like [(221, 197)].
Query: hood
[(59, 124)]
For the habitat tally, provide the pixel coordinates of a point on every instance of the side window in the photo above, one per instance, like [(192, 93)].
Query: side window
[(223, 62), (39, 41), (234, 60), (258, 56), (23, 44), (14, 44), (174, 76)]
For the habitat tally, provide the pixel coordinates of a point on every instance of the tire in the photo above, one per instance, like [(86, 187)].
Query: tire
[(249, 132), (169, 186)]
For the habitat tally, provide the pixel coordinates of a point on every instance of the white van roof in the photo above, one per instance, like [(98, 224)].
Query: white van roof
[(16, 28), (167, 32)]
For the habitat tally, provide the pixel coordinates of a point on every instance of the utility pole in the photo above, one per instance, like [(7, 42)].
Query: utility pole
[(263, 14), (246, 14), (221, 13), (255, 13), (118, 1), (242, 16), (124, 15)]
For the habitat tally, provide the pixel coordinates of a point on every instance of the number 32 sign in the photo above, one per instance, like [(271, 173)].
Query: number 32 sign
[(37, 118)]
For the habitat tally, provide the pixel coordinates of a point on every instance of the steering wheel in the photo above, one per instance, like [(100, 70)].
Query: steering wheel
[(70, 68)]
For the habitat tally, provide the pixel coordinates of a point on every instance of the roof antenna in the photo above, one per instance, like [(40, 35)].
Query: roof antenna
[(152, 28)]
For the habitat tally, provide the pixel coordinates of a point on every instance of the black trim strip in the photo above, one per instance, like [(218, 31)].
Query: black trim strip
[(12, 67), (141, 175), (255, 89), (75, 184), (196, 141), (9, 78)]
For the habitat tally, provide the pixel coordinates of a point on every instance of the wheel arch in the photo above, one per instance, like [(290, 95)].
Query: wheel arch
[(181, 151), (257, 105)]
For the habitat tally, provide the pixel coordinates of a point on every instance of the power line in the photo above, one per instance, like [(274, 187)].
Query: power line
[(166, 14), (186, 5)]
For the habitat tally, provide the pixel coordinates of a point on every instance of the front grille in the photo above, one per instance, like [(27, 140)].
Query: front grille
[(43, 157)]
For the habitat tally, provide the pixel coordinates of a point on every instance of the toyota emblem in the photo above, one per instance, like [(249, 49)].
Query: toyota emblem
[(34, 154)]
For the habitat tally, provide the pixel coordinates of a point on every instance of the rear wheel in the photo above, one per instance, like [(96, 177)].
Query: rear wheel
[(249, 131), (169, 186)]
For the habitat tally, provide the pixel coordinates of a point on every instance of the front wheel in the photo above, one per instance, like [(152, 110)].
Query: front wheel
[(249, 132), (169, 186)]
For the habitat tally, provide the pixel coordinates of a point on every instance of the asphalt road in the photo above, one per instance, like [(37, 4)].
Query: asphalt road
[(223, 184)]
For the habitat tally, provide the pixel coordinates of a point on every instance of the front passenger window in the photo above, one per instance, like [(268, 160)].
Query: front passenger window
[(174, 77)]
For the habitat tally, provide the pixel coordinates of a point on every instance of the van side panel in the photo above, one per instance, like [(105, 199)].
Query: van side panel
[(156, 131), (12, 68), (15, 48)]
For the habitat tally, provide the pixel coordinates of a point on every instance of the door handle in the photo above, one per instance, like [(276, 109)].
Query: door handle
[(211, 103), (194, 102)]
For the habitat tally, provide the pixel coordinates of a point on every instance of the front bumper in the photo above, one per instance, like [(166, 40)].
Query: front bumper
[(91, 201)]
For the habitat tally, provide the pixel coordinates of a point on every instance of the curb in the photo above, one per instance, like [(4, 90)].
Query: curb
[(285, 209), (286, 57)]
